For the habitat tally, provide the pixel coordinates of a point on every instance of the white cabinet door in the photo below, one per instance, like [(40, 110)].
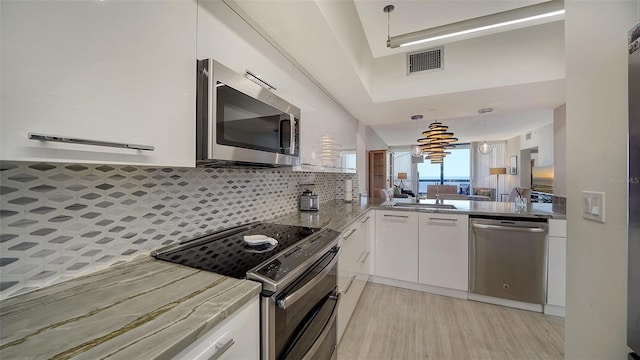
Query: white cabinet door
[(368, 227), (326, 129), (556, 286), (227, 38), (557, 275), (115, 71), (396, 253), (236, 337), (443, 249), (350, 279)]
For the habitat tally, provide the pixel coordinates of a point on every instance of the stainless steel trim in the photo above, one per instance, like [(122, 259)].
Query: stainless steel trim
[(270, 285), (221, 349), (248, 74), (352, 278), (325, 332), (396, 216), (509, 228), (443, 219), (267, 328), (292, 134), (292, 298), (208, 151), (74, 140)]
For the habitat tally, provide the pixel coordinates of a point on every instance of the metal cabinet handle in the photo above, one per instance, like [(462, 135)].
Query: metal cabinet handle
[(365, 220), (72, 140), (345, 237), (325, 332), (443, 219), (292, 298), (366, 256), (397, 216), (221, 349), (352, 278), (509, 228)]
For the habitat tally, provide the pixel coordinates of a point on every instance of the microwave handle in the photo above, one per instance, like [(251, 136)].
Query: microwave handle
[(292, 135)]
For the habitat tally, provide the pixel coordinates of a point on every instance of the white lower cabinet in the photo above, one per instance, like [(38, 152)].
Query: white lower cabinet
[(353, 269), (236, 337), (443, 250), (556, 285), (396, 245)]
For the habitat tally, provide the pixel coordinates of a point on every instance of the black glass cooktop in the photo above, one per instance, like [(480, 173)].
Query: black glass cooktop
[(230, 256)]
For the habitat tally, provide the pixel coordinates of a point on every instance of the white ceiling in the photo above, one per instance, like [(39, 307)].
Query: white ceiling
[(342, 45)]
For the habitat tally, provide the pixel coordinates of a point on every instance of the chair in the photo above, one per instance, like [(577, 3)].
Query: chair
[(482, 193), (524, 192)]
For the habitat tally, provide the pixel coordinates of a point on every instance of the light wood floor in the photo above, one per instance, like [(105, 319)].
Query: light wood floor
[(394, 323)]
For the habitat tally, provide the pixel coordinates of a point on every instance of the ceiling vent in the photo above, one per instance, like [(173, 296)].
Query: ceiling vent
[(424, 60)]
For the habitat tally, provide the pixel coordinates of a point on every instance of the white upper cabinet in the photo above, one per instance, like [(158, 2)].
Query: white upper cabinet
[(227, 38), (114, 71), (327, 132)]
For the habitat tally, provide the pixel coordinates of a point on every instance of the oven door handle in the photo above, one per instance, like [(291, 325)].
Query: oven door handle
[(326, 331), (295, 296)]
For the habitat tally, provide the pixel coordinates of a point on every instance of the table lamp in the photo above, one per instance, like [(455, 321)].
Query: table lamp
[(402, 176)]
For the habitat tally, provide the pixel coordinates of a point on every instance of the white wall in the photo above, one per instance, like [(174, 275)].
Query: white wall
[(515, 57), (542, 139), (597, 105), (513, 148)]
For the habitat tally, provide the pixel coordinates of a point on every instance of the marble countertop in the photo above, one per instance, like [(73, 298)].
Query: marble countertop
[(144, 309)]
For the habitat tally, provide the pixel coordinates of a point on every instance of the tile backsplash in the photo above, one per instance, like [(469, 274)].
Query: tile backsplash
[(60, 221)]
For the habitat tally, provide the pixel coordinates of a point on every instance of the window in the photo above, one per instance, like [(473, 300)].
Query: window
[(454, 170)]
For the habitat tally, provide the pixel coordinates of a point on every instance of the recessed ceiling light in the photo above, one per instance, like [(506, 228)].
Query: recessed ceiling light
[(416, 117)]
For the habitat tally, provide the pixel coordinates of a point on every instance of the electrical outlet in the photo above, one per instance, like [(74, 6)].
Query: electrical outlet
[(593, 206)]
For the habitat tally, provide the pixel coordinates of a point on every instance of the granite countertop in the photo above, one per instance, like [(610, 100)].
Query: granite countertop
[(335, 215), (338, 214), (145, 308), (480, 208)]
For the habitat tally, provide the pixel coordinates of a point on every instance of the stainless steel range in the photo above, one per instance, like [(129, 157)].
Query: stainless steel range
[(299, 298)]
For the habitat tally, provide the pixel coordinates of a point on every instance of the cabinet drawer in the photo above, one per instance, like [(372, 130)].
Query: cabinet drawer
[(557, 228), (237, 337)]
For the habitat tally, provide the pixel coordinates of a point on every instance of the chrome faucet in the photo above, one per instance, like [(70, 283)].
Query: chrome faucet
[(438, 200)]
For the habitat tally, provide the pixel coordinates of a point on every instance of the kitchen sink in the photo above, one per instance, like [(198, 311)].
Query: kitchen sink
[(425, 206)]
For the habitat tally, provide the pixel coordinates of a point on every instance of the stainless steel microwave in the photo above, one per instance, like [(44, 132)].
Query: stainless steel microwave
[(238, 122)]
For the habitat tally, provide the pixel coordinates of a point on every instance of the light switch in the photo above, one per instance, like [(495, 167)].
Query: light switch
[(593, 205)]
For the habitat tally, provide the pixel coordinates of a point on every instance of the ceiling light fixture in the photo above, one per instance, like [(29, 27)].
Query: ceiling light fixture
[(551, 11), (485, 148), (435, 141)]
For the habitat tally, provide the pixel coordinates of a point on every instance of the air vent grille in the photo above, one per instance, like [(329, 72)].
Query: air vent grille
[(424, 60)]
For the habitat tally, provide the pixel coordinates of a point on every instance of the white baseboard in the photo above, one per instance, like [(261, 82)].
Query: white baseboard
[(460, 294), (554, 310), (505, 302)]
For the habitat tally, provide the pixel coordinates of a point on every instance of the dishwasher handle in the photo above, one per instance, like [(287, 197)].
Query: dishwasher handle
[(509, 228)]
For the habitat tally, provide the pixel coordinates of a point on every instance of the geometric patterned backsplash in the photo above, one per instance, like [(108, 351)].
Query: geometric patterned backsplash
[(59, 221)]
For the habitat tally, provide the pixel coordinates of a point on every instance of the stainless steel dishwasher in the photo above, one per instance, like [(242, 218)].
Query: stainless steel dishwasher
[(508, 258)]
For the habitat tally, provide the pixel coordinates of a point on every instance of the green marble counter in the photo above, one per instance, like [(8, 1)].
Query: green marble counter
[(144, 309)]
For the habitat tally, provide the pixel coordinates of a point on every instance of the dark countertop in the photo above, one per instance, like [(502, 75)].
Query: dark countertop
[(143, 309)]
